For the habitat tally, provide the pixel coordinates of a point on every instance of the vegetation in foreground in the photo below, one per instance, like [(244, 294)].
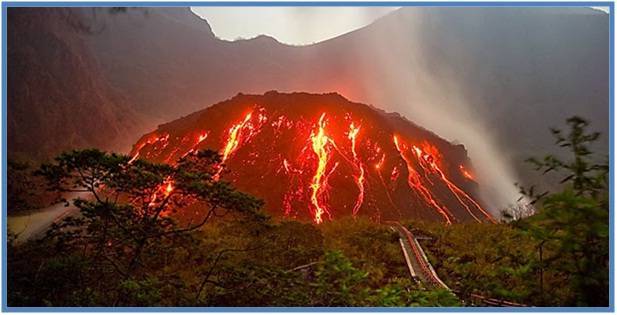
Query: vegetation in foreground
[(124, 249)]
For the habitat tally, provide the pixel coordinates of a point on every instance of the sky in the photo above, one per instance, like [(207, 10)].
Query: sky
[(289, 25), (408, 87), (292, 25)]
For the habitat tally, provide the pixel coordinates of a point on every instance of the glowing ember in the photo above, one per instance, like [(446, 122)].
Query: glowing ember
[(395, 174), (169, 188), (413, 180), (287, 166), (379, 164), (166, 188), (202, 137), (466, 173), (353, 135), (378, 167)]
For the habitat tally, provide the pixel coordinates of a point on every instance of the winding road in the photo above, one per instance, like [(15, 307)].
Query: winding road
[(34, 225)]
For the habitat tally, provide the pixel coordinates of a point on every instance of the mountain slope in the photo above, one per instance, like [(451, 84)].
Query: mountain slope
[(493, 78), (474, 75), (322, 157), (57, 98)]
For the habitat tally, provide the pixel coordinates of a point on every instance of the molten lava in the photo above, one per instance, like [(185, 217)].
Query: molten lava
[(379, 164), (202, 137), (319, 183), (166, 188), (310, 164), (359, 178), (169, 188), (233, 141), (149, 141), (238, 134), (429, 163), (413, 179), (466, 173)]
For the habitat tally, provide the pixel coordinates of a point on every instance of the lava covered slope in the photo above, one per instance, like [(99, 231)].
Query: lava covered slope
[(320, 157)]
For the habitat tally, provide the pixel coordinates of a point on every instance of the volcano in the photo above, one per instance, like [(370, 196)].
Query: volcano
[(320, 156)]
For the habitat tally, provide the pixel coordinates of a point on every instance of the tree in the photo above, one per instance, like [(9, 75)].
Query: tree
[(571, 226), (402, 292), (339, 283), (126, 226)]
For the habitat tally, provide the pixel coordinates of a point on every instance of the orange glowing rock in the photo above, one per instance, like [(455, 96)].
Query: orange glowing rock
[(307, 156), (202, 137), (465, 173)]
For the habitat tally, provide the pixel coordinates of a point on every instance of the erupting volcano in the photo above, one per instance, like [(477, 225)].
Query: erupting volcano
[(320, 157)]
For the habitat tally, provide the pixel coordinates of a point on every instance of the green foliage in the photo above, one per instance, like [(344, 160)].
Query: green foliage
[(124, 229), (133, 242), (473, 258), (556, 257), (583, 174), (141, 292), (270, 260), (372, 247), (339, 282), (571, 226)]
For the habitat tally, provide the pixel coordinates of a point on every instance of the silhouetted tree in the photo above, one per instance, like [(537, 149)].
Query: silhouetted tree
[(124, 228)]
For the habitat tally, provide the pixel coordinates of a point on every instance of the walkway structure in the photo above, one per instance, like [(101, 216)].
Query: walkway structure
[(419, 267), (422, 271)]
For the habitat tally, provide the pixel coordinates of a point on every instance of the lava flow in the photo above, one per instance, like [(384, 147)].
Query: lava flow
[(166, 188), (353, 135), (149, 141), (413, 179), (319, 182), (466, 173), (429, 161), (238, 133), (287, 149)]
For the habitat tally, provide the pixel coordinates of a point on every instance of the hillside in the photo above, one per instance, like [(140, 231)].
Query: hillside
[(322, 157), (472, 75), (57, 98)]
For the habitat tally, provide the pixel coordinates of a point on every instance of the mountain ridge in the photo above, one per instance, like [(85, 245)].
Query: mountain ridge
[(472, 75), (304, 153)]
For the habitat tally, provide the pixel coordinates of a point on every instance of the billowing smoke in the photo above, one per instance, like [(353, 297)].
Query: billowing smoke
[(403, 78), (492, 79), (488, 78), (431, 96)]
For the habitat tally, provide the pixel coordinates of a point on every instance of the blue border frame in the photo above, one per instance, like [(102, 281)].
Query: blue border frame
[(609, 309)]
